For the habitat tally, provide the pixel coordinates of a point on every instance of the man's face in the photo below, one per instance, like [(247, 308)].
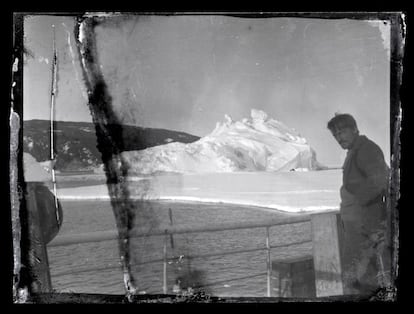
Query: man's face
[(345, 136)]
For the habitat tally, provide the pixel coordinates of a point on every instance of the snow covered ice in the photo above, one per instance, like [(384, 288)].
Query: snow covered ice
[(289, 191), (258, 143)]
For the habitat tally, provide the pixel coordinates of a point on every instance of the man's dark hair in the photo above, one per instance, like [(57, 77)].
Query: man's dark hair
[(340, 121)]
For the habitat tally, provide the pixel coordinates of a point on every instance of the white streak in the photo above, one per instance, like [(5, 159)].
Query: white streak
[(404, 26), (43, 59), (15, 65), (384, 28), (72, 54), (102, 14), (81, 35)]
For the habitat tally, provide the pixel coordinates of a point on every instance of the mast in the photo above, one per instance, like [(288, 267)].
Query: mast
[(52, 118)]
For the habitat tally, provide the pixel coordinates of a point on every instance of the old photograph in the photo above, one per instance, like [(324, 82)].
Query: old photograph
[(213, 156)]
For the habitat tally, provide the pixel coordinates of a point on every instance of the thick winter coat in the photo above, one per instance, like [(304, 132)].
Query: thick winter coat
[(365, 237)]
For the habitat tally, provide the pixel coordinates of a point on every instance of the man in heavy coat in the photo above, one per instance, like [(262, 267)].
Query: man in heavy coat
[(365, 238)]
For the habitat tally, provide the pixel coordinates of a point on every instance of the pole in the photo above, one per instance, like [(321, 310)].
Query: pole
[(164, 281), (52, 119), (171, 224), (269, 264)]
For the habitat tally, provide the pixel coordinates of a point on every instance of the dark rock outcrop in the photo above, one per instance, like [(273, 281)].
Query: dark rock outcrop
[(75, 142)]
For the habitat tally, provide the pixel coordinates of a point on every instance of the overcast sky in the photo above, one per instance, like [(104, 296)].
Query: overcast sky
[(185, 72)]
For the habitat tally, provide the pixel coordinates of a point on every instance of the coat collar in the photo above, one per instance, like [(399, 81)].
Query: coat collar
[(361, 139)]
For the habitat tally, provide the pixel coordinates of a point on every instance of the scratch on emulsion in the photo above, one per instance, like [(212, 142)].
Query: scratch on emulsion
[(109, 142), (72, 54)]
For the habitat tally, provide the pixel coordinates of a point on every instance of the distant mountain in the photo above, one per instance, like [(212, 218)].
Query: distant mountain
[(259, 143), (75, 142)]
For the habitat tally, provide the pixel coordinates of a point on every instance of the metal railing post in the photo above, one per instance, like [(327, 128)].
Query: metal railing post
[(164, 279), (269, 264)]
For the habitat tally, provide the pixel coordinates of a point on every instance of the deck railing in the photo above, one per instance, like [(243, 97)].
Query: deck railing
[(324, 241)]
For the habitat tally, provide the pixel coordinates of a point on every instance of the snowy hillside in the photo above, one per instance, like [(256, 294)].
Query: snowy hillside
[(258, 143)]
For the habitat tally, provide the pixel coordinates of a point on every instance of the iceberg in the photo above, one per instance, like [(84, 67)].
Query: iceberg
[(258, 143)]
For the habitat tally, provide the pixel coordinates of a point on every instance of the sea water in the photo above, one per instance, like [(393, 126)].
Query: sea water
[(94, 267)]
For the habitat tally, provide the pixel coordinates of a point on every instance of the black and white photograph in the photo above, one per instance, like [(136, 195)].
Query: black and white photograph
[(205, 156)]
